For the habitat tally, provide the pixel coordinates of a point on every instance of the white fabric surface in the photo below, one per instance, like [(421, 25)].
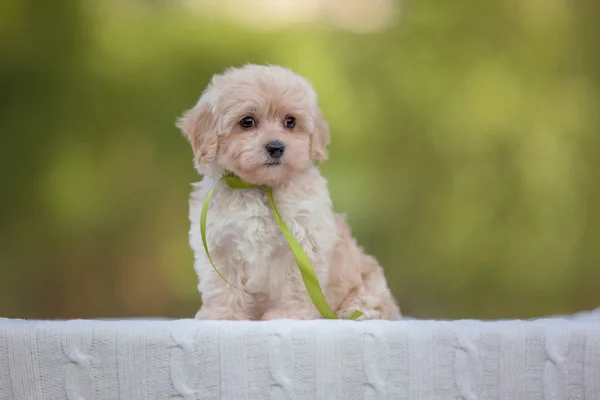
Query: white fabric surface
[(132, 359)]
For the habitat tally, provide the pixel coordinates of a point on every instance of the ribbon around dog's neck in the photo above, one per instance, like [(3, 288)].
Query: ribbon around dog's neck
[(311, 282)]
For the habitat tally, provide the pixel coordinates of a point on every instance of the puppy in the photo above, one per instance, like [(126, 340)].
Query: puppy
[(263, 124)]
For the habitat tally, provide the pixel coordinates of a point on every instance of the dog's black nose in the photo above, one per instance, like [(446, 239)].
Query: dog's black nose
[(275, 148)]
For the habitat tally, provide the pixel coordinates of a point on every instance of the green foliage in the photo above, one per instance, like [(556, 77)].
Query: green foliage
[(465, 152)]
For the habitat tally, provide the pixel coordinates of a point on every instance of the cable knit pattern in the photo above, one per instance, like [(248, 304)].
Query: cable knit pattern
[(183, 363), (467, 366), (79, 375), (376, 365), (546, 359), (555, 370), (281, 363)]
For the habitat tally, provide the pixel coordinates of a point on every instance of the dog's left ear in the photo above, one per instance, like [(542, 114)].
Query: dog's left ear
[(319, 140)]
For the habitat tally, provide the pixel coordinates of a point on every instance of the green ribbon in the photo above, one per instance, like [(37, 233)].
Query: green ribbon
[(311, 282)]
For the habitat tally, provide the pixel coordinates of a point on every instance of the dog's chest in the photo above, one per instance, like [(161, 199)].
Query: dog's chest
[(242, 224)]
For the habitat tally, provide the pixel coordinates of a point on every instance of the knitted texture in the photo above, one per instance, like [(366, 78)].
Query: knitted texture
[(546, 359)]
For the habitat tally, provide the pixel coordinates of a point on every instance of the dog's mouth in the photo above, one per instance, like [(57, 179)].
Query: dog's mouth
[(272, 163)]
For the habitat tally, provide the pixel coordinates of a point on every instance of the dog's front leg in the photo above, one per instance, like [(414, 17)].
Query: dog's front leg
[(294, 304), (293, 301), (221, 301)]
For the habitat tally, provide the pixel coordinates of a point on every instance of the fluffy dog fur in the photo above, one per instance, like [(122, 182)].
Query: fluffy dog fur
[(243, 237)]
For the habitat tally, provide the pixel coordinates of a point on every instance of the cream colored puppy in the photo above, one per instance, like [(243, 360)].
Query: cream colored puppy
[(263, 123)]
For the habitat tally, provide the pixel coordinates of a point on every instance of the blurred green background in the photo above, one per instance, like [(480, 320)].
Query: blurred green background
[(466, 146)]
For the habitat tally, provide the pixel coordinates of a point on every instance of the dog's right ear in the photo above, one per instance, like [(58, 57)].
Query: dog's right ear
[(319, 140), (199, 126)]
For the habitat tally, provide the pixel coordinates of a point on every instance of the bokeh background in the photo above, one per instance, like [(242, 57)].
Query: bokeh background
[(466, 146)]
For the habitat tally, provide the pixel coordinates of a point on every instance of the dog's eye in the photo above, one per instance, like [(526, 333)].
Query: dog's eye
[(289, 122), (247, 122)]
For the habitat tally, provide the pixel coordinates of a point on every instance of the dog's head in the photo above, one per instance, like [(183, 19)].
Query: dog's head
[(262, 123)]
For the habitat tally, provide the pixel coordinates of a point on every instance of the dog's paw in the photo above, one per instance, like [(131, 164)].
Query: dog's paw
[(285, 314), (214, 315), (366, 314)]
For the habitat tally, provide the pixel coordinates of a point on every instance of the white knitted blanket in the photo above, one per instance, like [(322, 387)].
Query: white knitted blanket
[(555, 358)]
